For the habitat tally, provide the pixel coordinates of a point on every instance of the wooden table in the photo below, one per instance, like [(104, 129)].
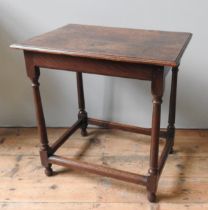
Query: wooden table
[(119, 52)]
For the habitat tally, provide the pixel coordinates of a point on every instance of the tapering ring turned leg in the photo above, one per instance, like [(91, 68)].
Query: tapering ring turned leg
[(45, 149), (157, 92), (81, 101), (154, 150), (172, 109)]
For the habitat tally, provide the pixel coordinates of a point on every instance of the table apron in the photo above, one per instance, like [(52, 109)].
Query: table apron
[(93, 66)]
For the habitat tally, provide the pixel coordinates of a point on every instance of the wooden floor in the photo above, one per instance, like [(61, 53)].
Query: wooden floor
[(23, 185)]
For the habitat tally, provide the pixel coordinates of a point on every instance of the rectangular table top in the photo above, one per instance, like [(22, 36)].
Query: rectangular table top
[(117, 44)]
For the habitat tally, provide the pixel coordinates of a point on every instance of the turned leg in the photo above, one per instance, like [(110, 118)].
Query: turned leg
[(157, 92), (172, 109), (44, 149), (81, 101)]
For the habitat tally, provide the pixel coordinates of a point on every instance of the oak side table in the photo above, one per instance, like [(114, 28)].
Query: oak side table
[(130, 53)]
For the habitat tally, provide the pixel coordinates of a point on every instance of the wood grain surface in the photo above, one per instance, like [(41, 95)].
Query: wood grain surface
[(118, 44)]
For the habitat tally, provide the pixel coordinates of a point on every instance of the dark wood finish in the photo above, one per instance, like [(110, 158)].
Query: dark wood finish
[(166, 150), (86, 65), (117, 44), (65, 136), (128, 53), (100, 170), (157, 92), (172, 108), (44, 149), (81, 101), (124, 127)]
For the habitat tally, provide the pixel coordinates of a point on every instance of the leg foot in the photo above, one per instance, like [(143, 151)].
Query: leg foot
[(151, 197), (83, 132), (48, 171), (171, 151)]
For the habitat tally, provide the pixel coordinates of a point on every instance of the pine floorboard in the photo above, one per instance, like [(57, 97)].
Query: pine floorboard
[(23, 184)]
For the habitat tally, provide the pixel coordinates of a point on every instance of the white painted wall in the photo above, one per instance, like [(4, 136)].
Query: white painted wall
[(117, 99)]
